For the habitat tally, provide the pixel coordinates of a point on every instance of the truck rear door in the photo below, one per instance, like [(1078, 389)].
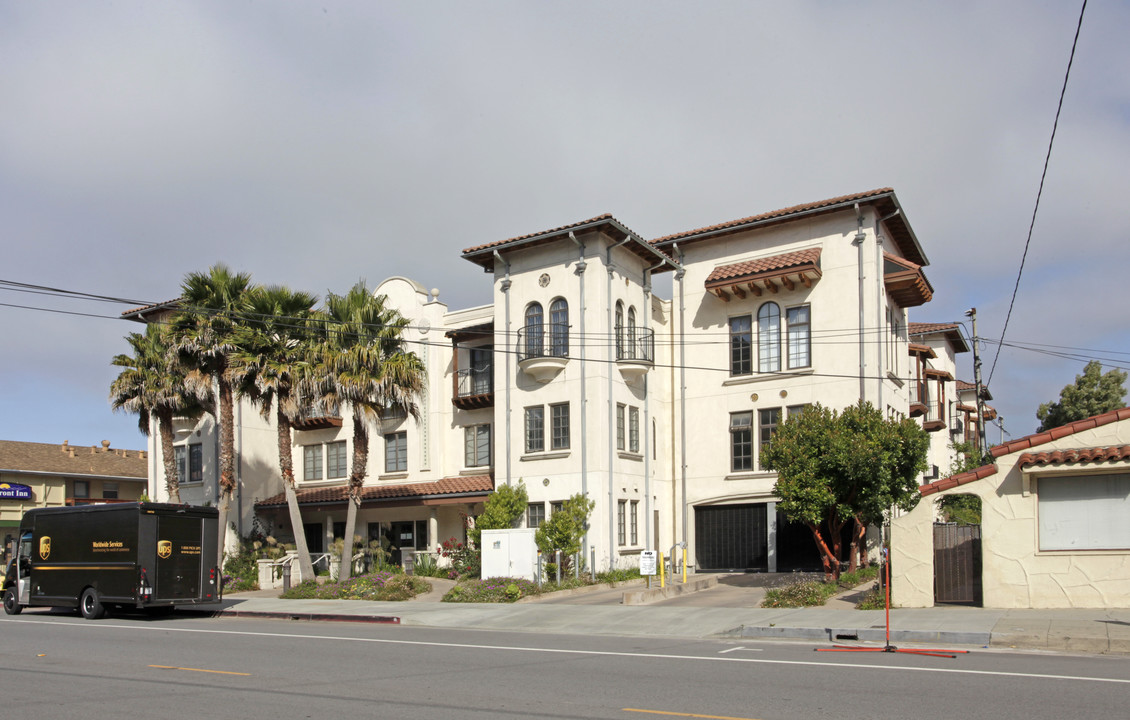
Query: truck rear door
[(178, 558)]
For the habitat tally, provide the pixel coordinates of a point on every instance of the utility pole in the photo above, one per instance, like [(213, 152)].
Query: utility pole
[(981, 449)]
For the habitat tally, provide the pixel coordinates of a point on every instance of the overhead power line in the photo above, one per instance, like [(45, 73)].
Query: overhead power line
[(1040, 192)]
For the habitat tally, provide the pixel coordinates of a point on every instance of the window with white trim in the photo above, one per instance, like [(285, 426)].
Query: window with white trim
[(620, 407), (337, 460), (312, 462), (633, 429)]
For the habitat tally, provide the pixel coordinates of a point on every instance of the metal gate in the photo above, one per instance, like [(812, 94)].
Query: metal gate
[(732, 537), (957, 563)]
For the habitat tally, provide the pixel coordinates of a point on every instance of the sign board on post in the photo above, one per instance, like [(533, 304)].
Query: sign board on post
[(648, 562)]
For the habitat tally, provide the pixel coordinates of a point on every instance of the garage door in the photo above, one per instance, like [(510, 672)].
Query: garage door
[(731, 538)]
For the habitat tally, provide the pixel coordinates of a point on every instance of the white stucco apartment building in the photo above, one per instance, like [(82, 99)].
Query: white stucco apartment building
[(577, 378)]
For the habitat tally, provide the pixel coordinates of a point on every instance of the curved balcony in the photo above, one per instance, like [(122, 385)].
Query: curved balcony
[(543, 350), (635, 351)]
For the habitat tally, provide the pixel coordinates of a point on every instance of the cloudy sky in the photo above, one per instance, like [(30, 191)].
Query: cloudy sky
[(314, 144)]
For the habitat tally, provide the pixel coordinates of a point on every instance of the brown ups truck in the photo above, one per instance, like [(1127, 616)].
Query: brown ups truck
[(122, 555)]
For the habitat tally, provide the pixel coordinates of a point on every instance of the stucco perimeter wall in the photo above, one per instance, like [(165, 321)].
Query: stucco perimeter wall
[(1015, 573)]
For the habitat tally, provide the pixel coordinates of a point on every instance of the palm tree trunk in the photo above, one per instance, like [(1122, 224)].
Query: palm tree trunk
[(286, 464), (168, 455), (227, 458), (356, 480)]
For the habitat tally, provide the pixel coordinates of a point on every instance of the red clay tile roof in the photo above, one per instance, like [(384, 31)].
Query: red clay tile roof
[(483, 255), (138, 314), (952, 331), (883, 198), (475, 485), (957, 480), (916, 349), (1076, 455), (752, 269), (1030, 441), (921, 328), (73, 460)]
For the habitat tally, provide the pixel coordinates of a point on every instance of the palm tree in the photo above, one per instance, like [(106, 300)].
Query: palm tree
[(213, 304), (363, 362), (272, 348), (152, 384)]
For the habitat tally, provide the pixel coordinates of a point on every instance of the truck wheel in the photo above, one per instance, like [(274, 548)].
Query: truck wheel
[(12, 603), (90, 605)]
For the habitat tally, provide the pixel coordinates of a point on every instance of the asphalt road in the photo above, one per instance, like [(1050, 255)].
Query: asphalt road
[(59, 666)]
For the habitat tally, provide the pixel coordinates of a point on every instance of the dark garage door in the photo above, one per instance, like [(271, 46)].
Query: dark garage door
[(731, 537)]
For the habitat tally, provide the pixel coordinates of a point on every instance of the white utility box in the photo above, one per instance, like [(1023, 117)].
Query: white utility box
[(509, 553)]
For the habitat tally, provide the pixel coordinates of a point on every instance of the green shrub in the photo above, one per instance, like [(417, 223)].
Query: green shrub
[(799, 593), (426, 566), (492, 590), (241, 571), (618, 575), (858, 576), (875, 599), (384, 585)]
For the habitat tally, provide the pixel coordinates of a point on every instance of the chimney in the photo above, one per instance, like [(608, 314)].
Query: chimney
[(93, 449), (71, 452), (105, 446), (65, 444)]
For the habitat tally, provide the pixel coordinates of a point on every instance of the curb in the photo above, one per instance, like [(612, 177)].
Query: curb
[(869, 635), (643, 597), (308, 616)]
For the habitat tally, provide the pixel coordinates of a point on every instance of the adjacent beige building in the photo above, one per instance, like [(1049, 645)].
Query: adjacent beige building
[(1054, 530)]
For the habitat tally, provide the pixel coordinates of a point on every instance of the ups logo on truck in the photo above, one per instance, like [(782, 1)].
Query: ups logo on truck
[(44, 547), (164, 549)]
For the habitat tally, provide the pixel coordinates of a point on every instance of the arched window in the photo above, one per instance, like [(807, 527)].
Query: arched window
[(769, 338), (535, 330), (631, 348), (559, 328), (619, 329)]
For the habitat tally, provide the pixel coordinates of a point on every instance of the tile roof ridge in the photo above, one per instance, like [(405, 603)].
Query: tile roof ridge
[(1062, 431), (956, 480), (779, 213)]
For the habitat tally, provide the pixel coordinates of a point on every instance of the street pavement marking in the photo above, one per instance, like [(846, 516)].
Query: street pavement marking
[(562, 651), (690, 715), (739, 647), (218, 672)]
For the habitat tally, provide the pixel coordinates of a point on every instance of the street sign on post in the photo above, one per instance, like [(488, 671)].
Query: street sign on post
[(648, 562)]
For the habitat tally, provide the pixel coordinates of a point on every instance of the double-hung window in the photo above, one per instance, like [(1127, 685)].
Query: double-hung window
[(559, 426), (621, 522), (535, 429), (634, 429), (620, 426), (535, 515), (190, 462), (633, 518), (800, 336), (741, 345), (312, 462), (476, 445), (396, 452), (769, 338), (337, 460), (767, 421), (741, 441), (559, 328)]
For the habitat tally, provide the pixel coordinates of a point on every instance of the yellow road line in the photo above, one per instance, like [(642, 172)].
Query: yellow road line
[(679, 714), (218, 672)]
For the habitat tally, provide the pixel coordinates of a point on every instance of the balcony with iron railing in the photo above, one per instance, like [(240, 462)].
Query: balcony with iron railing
[(919, 399), (474, 388), (543, 350), (635, 351), (317, 418)]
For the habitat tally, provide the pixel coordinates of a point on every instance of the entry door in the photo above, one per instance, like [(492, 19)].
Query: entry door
[(732, 537), (957, 564), (402, 537), (178, 558)]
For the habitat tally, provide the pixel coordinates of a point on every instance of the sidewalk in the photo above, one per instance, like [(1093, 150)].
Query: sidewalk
[(599, 612)]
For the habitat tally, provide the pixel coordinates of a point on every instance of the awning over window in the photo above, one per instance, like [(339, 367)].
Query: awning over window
[(769, 274)]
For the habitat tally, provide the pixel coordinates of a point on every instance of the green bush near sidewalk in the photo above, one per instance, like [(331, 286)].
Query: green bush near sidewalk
[(806, 592)]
